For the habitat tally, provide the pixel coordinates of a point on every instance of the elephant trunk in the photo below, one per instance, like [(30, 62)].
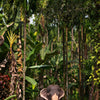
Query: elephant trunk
[(55, 97)]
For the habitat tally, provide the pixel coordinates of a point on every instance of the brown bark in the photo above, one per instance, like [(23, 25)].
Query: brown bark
[(80, 82), (91, 92), (66, 63), (43, 41), (20, 67), (13, 72), (24, 56), (41, 79), (51, 46), (46, 37), (72, 42), (97, 94), (58, 32), (72, 46), (85, 46), (85, 57), (82, 66)]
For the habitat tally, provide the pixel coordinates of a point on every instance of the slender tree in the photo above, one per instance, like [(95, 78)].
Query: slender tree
[(72, 41), (66, 63), (24, 68), (80, 82)]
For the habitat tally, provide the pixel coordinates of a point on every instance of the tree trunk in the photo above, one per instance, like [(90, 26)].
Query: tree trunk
[(46, 37), (79, 36), (41, 74), (24, 56), (91, 92), (72, 46), (85, 58), (85, 46), (72, 42), (66, 63), (20, 65), (82, 66), (51, 46), (41, 79), (97, 94), (58, 32)]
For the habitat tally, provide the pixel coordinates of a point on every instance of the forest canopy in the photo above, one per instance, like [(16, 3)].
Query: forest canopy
[(59, 45)]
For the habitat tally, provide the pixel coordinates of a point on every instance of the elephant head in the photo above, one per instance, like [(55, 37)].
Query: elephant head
[(52, 92)]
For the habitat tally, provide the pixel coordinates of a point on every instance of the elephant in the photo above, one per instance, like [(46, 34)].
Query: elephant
[(52, 92)]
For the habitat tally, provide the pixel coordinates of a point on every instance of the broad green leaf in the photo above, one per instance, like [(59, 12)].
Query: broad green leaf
[(98, 62), (31, 53), (35, 34), (0, 24), (6, 45), (10, 97), (43, 53), (31, 80), (33, 87), (1, 15), (2, 31), (39, 66), (50, 55), (92, 57), (92, 68)]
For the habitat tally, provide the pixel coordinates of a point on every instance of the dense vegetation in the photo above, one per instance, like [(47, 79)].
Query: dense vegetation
[(60, 46)]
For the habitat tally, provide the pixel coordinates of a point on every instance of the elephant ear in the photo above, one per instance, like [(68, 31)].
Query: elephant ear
[(43, 93), (61, 93)]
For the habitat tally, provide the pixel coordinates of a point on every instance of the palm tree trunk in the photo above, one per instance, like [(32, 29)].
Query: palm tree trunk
[(79, 36), (58, 32), (66, 63), (64, 67), (24, 56), (72, 42), (91, 92), (82, 66), (85, 46), (72, 46), (46, 37)]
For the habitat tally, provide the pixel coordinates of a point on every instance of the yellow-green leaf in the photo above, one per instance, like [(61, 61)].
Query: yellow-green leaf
[(98, 62), (92, 57)]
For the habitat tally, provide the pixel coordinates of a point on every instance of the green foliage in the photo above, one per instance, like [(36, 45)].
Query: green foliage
[(43, 3), (30, 88), (32, 55), (10, 97), (2, 31), (1, 15), (39, 66), (31, 80), (56, 15)]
